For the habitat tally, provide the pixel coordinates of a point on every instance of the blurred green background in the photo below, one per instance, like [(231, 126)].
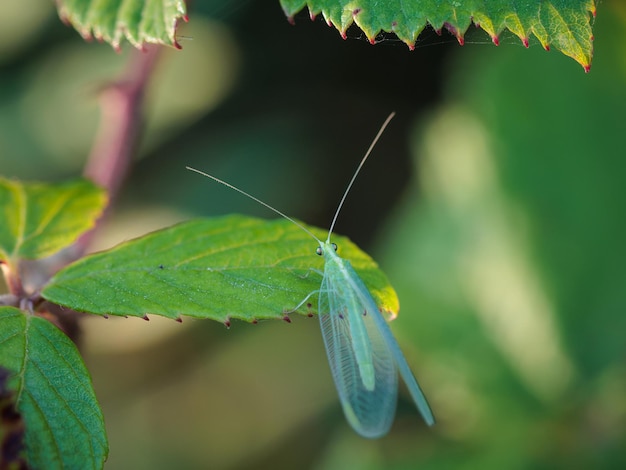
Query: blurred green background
[(494, 202)]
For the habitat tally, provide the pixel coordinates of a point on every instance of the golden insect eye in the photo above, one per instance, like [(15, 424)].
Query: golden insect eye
[(319, 251), (334, 245)]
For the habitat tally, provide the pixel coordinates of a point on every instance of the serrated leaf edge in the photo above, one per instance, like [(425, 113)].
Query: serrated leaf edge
[(342, 17), (85, 27)]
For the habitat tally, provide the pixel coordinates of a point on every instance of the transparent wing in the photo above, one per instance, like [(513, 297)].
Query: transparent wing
[(361, 361), (405, 371)]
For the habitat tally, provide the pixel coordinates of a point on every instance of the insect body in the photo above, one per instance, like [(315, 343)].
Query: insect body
[(363, 354)]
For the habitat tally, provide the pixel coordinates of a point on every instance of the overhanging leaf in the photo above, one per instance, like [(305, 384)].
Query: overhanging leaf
[(139, 21), (563, 24), (64, 424), (221, 268), (37, 220)]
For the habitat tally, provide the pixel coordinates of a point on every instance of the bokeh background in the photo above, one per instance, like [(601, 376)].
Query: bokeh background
[(495, 202)]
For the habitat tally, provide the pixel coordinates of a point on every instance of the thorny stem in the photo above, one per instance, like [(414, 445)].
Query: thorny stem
[(120, 126)]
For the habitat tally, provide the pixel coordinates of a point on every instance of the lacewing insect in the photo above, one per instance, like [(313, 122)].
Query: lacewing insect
[(363, 354)]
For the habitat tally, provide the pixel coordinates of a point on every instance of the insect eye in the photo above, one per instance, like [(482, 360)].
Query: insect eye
[(319, 251), (334, 245)]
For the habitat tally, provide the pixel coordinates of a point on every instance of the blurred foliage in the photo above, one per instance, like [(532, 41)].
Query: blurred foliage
[(51, 133), (493, 202), (514, 259)]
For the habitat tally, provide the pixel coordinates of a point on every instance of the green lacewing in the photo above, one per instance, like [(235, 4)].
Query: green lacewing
[(363, 354)]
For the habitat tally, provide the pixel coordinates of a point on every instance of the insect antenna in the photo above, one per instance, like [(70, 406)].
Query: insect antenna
[(241, 191), (367, 154)]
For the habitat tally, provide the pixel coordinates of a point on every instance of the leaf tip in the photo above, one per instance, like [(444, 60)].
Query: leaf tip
[(178, 319), (64, 17), (495, 39), (525, 42), (227, 323), (145, 317), (287, 319), (390, 314), (254, 321), (456, 32)]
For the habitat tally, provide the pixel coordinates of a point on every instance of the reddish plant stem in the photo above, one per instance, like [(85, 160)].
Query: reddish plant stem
[(120, 127)]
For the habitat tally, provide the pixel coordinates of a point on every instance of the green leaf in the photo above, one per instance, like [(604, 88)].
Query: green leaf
[(139, 21), (64, 424), (221, 268), (37, 220), (563, 24)]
